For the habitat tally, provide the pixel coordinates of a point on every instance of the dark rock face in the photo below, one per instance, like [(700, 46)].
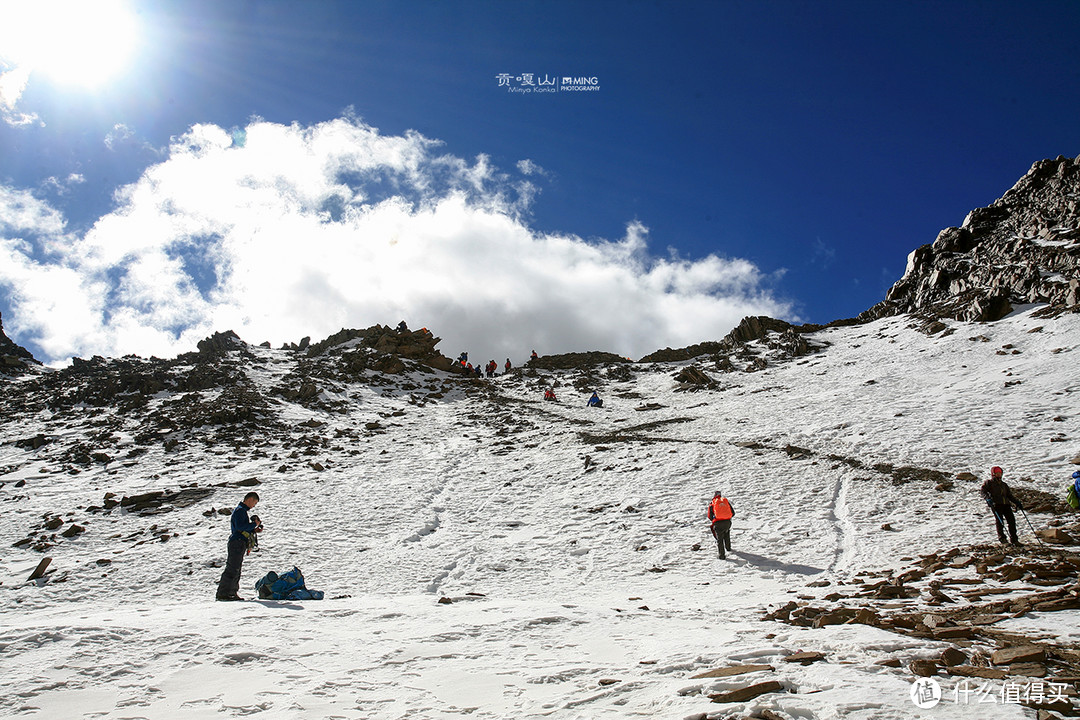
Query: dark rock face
[(772, 340), (570, 361), (1024, 248), (418, 345), (13, 358)]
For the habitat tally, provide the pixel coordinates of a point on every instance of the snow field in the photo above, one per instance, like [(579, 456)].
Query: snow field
[(568, 560)]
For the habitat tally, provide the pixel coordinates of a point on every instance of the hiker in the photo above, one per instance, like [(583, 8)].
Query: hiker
[(241, 541), (534, 355), (595, 400), (402, 327), (507, 366), (492, 368), (720, 514), (463, 358), (999, 496), (549, 394), (1072, 494)]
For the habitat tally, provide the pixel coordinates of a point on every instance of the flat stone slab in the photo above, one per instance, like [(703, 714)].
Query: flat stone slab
[(748, 693), (804, 657), (733, 670), (979, 672), (1020, 654)]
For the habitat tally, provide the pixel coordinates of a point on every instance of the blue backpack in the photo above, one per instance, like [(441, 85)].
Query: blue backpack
[(287, 586)]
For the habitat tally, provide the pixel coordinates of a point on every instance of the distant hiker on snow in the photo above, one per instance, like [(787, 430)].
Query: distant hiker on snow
[(595, 400), (999, 496), (402, 327), (463, 358), (508, 365), (720, 514), (241, 542), (549, 394), (534, 355)]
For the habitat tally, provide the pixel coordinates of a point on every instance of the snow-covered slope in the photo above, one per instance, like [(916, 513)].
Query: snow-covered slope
[(569, 544)]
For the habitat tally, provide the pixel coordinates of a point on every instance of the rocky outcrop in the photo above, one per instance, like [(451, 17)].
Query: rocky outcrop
[(1024, 248), (418, 345), (752, 345), (13, 357), (570, 361), (219, 344)]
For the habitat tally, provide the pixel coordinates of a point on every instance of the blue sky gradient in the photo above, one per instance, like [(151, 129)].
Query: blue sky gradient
[(819, 142)]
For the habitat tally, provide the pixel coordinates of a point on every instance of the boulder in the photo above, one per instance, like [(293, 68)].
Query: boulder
[(1056, 536), (924, 668), (749, 692), (804, 657), (1018, 654)]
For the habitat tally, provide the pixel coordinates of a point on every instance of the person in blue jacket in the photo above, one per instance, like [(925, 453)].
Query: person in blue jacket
[(244, 527), (595, 400)]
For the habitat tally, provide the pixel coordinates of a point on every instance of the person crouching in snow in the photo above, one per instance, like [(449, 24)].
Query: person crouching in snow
[(720, 514), (241, 541), (999, 496), (549, 394), (595, 400)]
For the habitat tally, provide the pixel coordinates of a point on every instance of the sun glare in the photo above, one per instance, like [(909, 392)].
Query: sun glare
[(83, 42)]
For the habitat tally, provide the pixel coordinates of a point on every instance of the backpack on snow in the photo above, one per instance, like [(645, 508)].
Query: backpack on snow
[(1072, 498), (287, 586)]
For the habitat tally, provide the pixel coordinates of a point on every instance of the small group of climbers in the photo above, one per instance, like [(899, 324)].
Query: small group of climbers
[(490, 368)]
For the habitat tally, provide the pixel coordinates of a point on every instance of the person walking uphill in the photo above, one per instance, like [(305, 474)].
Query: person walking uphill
[(720, 514), (241, 541), (999, 496)]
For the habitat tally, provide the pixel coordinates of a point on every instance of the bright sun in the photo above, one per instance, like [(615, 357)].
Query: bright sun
[(83, 42)]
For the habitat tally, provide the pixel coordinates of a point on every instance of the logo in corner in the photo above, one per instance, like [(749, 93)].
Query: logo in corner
[(925, 693)]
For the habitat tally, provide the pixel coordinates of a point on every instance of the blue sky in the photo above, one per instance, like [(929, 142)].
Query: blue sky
[(286, 169)]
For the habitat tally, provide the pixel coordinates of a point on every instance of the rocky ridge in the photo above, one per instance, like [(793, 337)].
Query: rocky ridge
[(14, 359), (1024, 248)]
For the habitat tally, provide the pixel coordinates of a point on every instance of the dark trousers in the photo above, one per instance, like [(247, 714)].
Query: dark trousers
[(229, 585), (1004, 512), (721, 530)]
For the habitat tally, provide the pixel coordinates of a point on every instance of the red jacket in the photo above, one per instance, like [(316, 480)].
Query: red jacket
[(720, 509)]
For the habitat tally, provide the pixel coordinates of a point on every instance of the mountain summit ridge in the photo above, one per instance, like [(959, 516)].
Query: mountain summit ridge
[(1024, 248)]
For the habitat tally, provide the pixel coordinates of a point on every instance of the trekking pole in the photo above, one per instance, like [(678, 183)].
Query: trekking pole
[(1032, 528)]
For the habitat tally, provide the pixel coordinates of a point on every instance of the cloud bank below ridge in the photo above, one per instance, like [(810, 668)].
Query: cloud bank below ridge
[(284, 231)]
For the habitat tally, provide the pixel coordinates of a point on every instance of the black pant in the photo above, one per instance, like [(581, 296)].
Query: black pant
[(721, 530), (1004, 512), (229, 585)]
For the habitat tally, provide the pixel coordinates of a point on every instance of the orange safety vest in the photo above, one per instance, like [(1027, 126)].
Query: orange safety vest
[(721, 509)]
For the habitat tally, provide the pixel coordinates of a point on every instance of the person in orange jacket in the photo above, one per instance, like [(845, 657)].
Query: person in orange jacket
[(720, 514)]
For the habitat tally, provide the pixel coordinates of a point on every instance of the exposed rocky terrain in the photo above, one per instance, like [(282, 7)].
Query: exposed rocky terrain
[(1022, 249)]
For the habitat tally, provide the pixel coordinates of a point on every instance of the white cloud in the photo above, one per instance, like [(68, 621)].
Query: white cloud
[(278, 232), (20, 211), (528, 167), (12, 84), (60, 187)]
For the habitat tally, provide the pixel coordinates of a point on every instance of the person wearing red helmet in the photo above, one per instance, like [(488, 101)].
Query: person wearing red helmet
[(999, 496), (720, 514)]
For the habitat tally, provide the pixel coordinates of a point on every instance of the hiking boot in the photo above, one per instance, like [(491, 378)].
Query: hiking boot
[(228, 598)]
